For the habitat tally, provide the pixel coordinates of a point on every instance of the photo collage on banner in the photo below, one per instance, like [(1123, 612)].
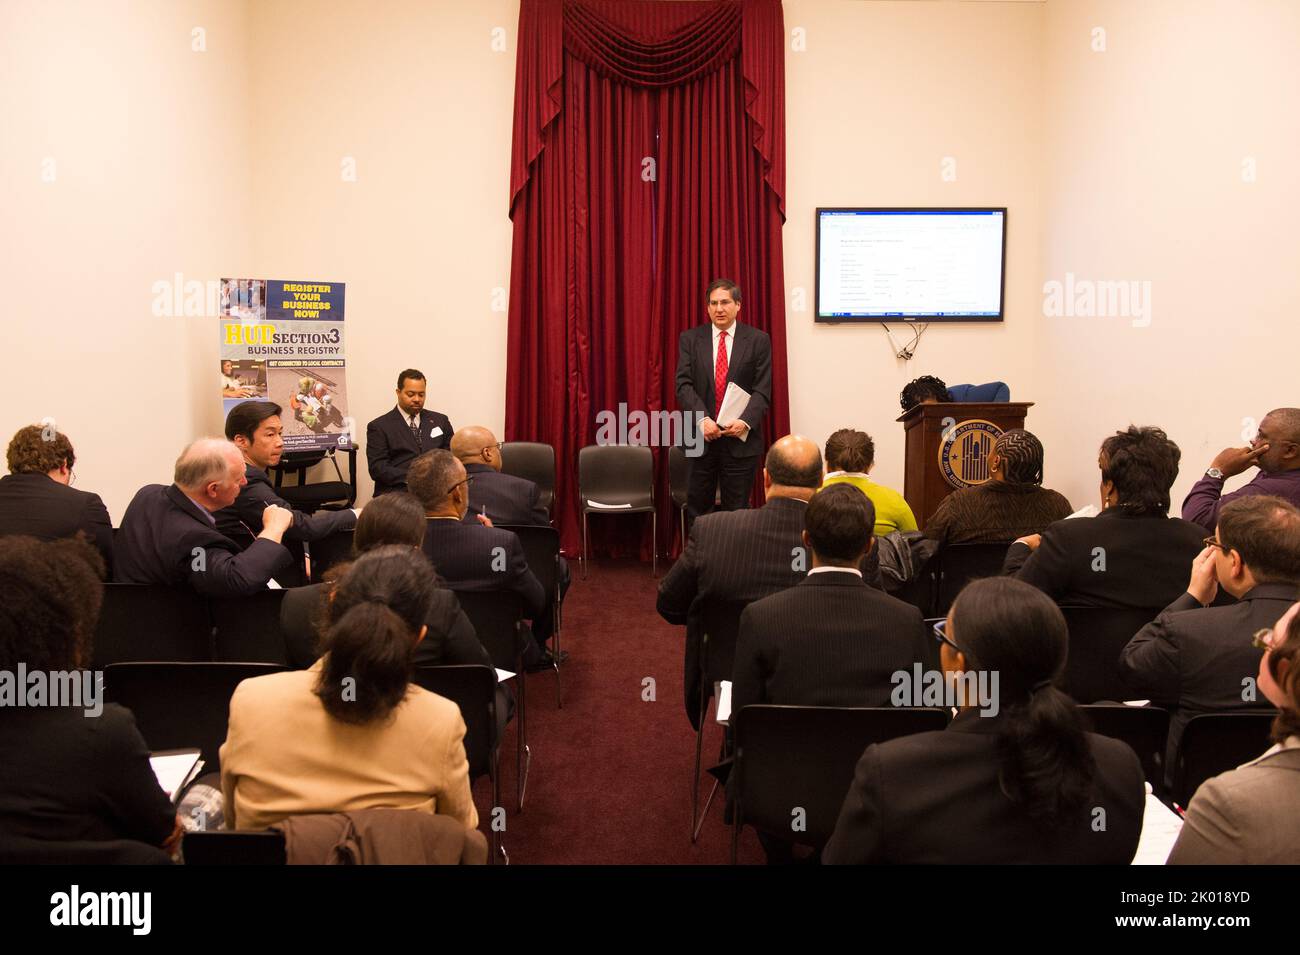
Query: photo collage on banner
[(282, 341)]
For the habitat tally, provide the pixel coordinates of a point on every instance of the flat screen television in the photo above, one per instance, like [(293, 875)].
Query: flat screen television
[(910, 264)]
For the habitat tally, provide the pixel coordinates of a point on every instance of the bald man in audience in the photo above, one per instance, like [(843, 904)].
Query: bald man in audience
[(1275, 450), (743, 555), (169, 535), (503, 498)]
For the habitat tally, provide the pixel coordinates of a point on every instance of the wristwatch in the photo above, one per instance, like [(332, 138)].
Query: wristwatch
[(1214, 473)]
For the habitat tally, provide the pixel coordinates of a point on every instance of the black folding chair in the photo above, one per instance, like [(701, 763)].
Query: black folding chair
[(719, 629), (217, 847), (473, 689), (534, 461), (621, 477), (679, 484), (792, 758), (321, 495), (1097, 635), (1214, 743), (496, 616), (329, 551), (247, 629), (959, 564), (181, 705), (1144, 728), (151, 622), (542, 552)]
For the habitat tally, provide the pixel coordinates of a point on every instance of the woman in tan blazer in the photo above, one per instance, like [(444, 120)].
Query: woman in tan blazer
[(1251, 814), (351, 732)]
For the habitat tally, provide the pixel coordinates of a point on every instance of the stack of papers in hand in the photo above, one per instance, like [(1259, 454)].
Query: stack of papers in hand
[(175, 769), (734, 402)]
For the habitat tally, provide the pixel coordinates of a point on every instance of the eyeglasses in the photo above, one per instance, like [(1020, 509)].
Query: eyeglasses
[(458, 484), (1263, 639), (941, 634), (1214, 542)]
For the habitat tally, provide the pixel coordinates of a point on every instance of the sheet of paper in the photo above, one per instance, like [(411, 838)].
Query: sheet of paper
[(174, 769), (1160, 828), (734, 402), (273, 584), (503, 675), (607, 507), (1088, 510), (724, 701)]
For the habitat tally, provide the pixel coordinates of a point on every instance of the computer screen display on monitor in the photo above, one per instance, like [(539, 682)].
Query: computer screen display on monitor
[(912, 264)]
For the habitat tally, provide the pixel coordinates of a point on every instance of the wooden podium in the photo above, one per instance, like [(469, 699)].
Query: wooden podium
[(965, 431)]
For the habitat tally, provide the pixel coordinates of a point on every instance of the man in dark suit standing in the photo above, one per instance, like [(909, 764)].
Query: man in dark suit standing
[(1198, 659), (471, 557), (169, 535), (255, 429), (709, 357), (830, 640), (395, 439), (740, 556), (36, 497)]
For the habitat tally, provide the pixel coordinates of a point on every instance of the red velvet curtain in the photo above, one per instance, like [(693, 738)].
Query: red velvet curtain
[(649, 158)]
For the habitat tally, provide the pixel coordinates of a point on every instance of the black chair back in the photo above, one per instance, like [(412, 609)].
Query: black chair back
[(329, 551), (678, 475), (495, 615), (151, 622), (720, 629), (1214, 743), (315, 496), (473, 689), (803, 757), (1097, 635), (616, 474), (958, 565), (233, 848), (1144, 728), (542, 552), (248, 628), (181, 705), (534, 461)]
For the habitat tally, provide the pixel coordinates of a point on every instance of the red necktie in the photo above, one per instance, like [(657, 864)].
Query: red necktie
[(720, 375)]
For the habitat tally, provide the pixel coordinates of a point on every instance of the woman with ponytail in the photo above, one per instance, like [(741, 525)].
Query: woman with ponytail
[(1014, 778), (351, 732)]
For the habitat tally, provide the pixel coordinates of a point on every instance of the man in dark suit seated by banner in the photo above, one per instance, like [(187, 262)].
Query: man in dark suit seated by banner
[(474, 557), (37, 499), (709, 357), (254, 427), (395, 439), (169, 535), (1201, 659)]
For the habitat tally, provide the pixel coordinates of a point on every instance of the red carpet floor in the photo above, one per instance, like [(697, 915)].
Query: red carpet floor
[(610, 776)]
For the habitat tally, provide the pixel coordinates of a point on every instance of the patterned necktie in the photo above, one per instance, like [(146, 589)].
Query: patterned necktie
[(720, 375), (415, 432)]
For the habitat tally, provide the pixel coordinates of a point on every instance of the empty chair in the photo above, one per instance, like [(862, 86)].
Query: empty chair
[(803, 757), (247, 629), (332, 495), (264, 847), (181, 705), (151, 622), (1144, 728), (679, 483), (496, 616), (542, 552), (1213, 743), (1097, 635), (473, 689), (534, 461), (958, 565), (617, 479)]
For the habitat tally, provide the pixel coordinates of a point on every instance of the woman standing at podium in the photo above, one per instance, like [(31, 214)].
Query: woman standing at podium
[(1012, 503)]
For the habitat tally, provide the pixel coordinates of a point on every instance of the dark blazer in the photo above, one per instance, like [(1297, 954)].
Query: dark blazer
[(72, 778), (243, 519), (505, 498), (39, 506), (166, 538), (1193, 659), (1147, 560), (467, 558), (750, 368), (935, 798), (450, 640), (390, 446), (830, 640)]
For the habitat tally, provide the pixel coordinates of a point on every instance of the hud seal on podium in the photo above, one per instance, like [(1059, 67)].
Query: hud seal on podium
[(964, 452)]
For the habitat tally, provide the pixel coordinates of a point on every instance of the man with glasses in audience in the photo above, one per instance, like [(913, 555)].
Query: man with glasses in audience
[(1275, 450), (1195, 658)]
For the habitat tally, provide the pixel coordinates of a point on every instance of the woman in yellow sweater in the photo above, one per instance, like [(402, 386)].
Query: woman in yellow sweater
[(850, 456)]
